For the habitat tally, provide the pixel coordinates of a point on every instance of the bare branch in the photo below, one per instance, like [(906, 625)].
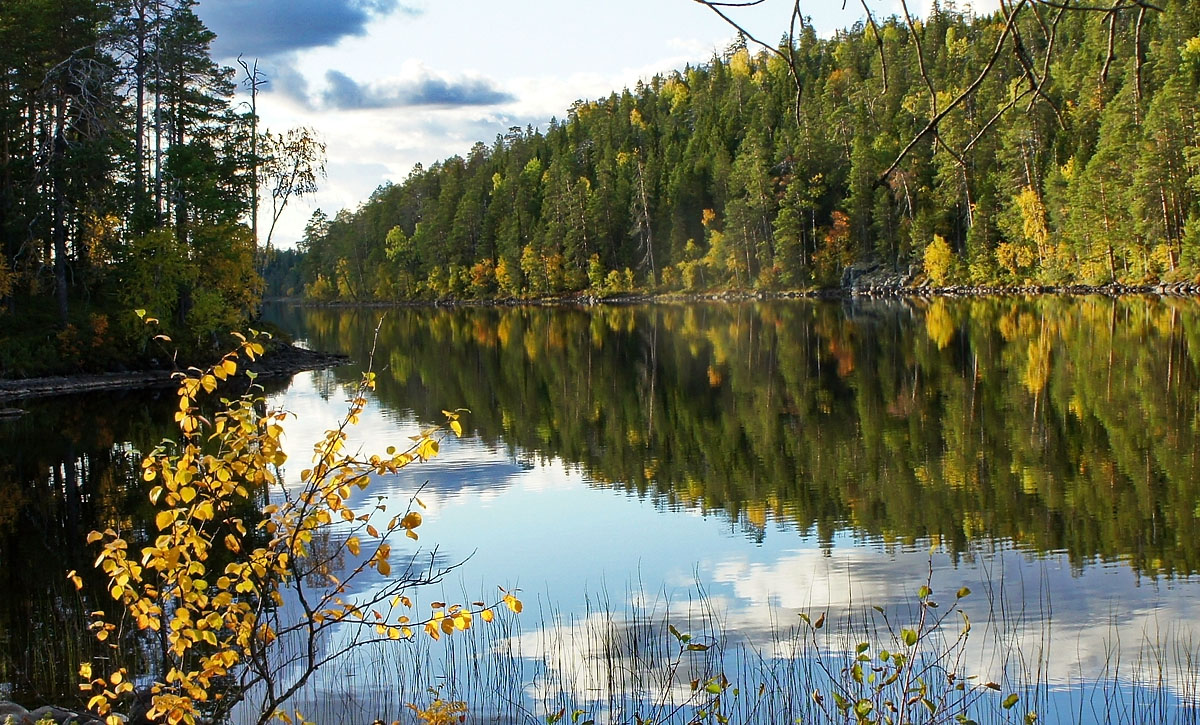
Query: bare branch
[(878, 41), (932, 125), (787, 57), (1112, 34)]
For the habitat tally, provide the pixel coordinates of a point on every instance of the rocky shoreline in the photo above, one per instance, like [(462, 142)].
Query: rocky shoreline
[(856, 282), (280, 361)]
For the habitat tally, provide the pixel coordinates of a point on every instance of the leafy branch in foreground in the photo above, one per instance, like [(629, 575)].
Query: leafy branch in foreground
[(913, 676), (247, 575)]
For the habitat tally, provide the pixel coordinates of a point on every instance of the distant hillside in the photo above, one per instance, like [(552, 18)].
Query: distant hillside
[(706, 179)]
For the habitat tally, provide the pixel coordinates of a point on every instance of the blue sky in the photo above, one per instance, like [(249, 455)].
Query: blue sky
[(390, 83)]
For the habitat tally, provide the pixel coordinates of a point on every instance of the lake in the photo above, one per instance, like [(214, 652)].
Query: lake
[(722, 468)]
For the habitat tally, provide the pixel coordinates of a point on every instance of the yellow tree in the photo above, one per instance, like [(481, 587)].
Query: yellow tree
[(211, 586)]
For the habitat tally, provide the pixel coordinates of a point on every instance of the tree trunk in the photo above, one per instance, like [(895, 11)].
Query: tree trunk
[(60, 212)]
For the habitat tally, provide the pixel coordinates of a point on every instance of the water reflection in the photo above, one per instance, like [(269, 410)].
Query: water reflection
[(597, 568), (808, 456), (68, 467), (783, 457), (1057, 424)]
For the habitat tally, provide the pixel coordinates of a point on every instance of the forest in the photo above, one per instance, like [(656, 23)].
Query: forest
[(129, 179), (1042, 144)]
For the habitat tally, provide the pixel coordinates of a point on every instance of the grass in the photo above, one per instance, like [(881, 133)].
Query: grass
[(654, 660)]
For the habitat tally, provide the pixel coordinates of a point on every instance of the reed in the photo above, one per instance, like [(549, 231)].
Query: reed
[(658, 659)]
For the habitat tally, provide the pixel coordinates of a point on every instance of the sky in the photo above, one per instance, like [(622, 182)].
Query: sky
[(387, 84)]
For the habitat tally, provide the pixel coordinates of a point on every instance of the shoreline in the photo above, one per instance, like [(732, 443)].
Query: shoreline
[(290, 359), (286, 360), (862, 288)]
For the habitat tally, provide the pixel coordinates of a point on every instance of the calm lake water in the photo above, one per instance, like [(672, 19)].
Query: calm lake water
[(722, 467)]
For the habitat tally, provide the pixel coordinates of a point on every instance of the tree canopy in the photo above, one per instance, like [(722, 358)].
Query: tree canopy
[(1038, 145), (126, 178)]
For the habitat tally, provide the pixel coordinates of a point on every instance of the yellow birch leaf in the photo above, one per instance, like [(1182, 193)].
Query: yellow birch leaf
[(352, 545), (164, 519)]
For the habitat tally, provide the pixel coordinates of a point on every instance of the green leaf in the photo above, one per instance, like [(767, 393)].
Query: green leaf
[(924, 592), (964, 592), (1009, 701), (909, 636)]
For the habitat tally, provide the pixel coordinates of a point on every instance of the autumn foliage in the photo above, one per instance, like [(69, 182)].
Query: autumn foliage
[(245, 576)]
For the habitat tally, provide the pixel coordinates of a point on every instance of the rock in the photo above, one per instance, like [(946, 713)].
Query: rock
[(58, 715), (852, 274), (12, 710)]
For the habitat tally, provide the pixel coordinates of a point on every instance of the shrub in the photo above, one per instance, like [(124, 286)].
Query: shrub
[(208, 590)]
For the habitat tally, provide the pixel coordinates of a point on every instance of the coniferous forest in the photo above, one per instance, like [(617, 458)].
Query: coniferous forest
[(128, 180), (1041, 144), (1072, 156)]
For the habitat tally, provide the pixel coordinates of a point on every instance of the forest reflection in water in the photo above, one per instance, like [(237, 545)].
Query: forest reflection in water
[(789, 454), (1060, 424)]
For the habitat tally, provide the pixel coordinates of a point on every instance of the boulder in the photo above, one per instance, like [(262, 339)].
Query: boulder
[(59, 715), (12, 710), (851, 274)]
